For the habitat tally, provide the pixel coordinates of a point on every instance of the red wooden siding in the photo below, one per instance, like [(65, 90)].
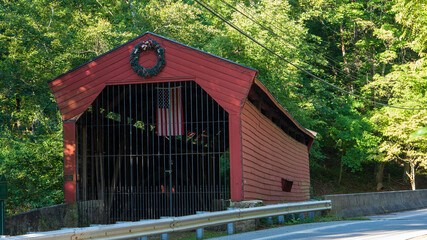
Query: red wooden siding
[(270, 155), (309, 133), (70, 161), (236, 168), (226, 82)]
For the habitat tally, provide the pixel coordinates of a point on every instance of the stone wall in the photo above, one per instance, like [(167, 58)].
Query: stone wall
[(55, 217), (364, 204)]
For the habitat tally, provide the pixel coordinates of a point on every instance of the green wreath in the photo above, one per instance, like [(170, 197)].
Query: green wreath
[(144, 46)]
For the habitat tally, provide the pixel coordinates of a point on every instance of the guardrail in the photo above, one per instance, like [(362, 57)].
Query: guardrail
[(176, 224)]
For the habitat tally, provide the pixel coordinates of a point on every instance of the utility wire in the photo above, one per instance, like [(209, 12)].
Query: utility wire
[(211, 10), (252, 18)]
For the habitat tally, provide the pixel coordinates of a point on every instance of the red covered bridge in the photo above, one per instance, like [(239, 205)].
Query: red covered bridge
[(199, 132)]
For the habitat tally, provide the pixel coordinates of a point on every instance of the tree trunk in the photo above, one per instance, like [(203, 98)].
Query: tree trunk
[(406, 169), (380, 176), (340, 176), (346, 68), (383, 70), (412, 175)]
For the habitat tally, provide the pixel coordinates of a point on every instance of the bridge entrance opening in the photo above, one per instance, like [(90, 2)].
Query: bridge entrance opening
[(150, 150)]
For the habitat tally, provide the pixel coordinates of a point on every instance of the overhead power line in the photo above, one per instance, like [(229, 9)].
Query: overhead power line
[(253, 19), (211, 10)]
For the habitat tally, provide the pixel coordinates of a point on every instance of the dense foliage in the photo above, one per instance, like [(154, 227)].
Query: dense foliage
[(375, 49)]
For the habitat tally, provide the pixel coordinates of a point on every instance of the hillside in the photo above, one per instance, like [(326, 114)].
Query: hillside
[(353, 71)]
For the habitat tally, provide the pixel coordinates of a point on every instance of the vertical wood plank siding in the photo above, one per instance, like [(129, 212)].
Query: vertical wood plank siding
[(270, 155)]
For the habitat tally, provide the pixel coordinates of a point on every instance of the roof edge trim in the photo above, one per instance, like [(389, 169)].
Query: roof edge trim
[(283, 109), (93, 59)]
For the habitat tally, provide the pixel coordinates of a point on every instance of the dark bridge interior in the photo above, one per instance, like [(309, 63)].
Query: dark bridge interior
[(131, 170)]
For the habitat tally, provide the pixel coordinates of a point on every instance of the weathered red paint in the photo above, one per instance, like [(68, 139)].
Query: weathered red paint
[(283, 110), (269, 155), (69, 129), (226, 82), (236, 168)]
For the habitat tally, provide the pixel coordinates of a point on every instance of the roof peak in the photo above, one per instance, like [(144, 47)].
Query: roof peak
[(140, 36)]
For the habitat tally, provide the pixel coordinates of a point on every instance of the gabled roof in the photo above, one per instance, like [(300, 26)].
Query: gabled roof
[(224, 80)]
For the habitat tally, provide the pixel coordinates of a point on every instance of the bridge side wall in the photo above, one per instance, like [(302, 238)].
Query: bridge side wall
[(269, 157)]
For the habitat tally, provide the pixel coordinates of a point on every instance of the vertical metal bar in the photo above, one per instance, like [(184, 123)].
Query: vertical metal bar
[(109, 147), (197, 150), (103, 152), (116, 162), (202, 121), (220, 132), (135, 169), (150, 145), (176, 200), (226, 181), (159, 194), (163, 202), (125, 159), (85, 157), (183, 154), (114, 155), (96, 147), (209, 189), (120, 193), (138, 157), (191, 119), (170, 151), (90, 155), (141, 165), (213, 133), (153, 193), (185, 188), (131, 155)]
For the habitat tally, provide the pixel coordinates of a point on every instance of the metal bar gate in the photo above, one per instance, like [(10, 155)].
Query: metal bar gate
[(150, 150)]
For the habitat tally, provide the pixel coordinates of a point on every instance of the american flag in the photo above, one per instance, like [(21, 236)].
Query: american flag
[(169, 112)]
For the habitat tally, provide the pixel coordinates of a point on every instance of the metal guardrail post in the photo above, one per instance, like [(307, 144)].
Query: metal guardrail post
[(281, 219), (301, 217), (270, 220), (230, 226), (143, 238), (164, 236), (199, 231)]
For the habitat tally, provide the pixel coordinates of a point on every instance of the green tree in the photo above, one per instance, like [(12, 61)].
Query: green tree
[(406, 86)]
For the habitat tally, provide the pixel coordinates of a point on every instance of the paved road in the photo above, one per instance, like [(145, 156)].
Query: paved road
[(403, 225)]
